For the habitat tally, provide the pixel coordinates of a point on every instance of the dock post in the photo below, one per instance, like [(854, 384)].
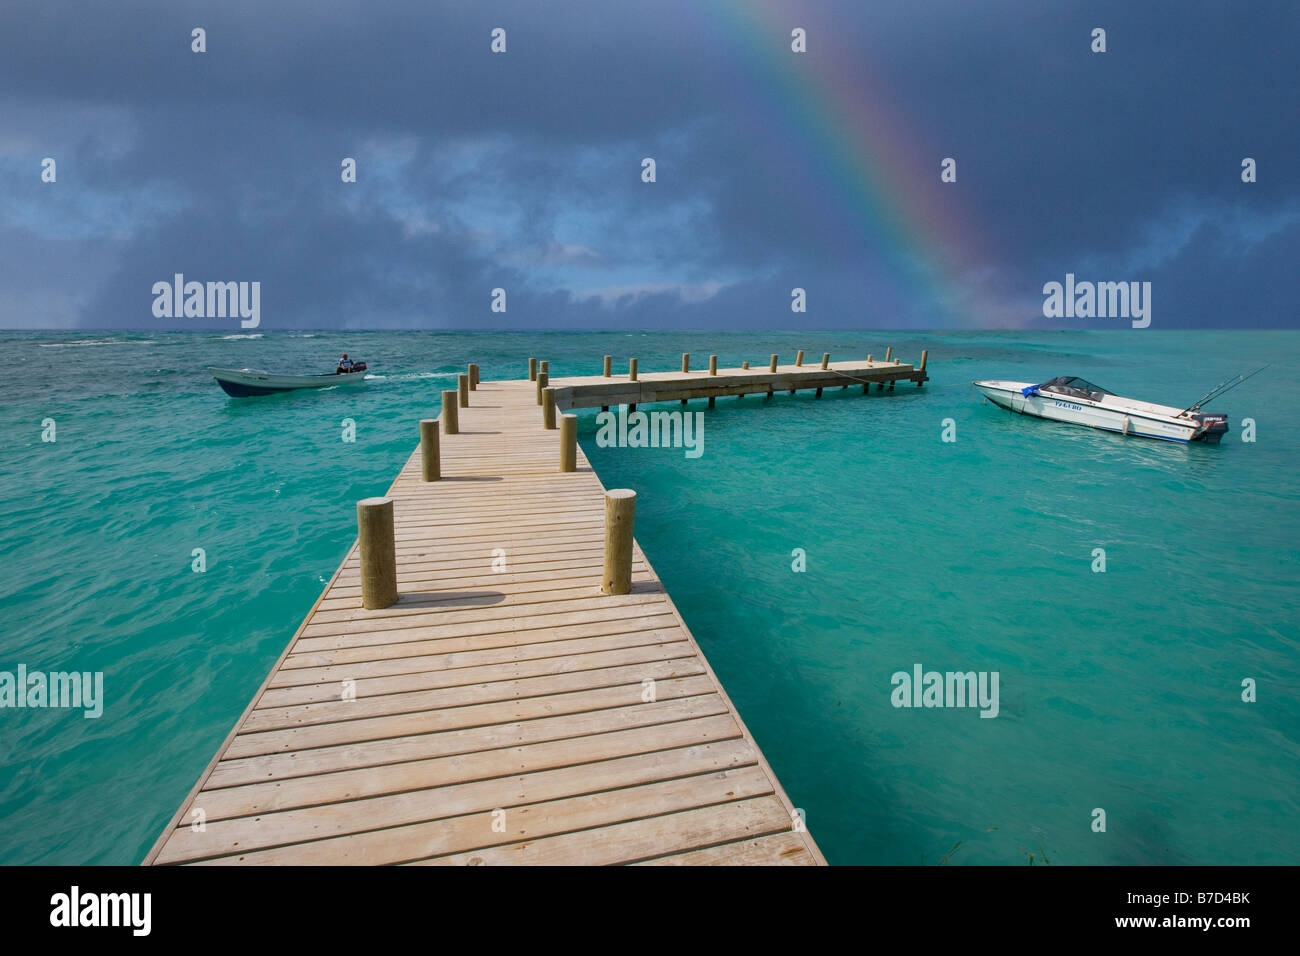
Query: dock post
[(378, 553), (450, 416), (868, 358), (532, 370), (542, 382), (798, 358), (826, 360), (462, 389), (773, 366), (568, 443), (712, 399), (620, 516), (473, 377), (686, 361), (744, 365), (819, 393), (713, 365), (544, 368), (920, 380), (430, 466), (631, 370), (609, 366), (889, 354), (548, 408)]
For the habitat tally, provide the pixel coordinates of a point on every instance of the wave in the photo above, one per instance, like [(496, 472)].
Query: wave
[(251, 335), (410, 376), (78, 343)]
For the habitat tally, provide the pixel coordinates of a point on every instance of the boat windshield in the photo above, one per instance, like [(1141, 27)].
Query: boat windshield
[(1076, 387)]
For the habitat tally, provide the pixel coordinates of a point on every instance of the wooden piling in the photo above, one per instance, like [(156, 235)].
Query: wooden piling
[(920, 379), (712, 399), (543, 380), (686, 361), (744, 365), (430, 465), (568, 443), (798, 358), (631, 370), (889, 354), (544, 367), (473, 377), (620, 516), (450, 415), (713, 365), (826, 360), (868, 358), (378, 553), (548, 408), (772, 368), (609, 366), (532, 370), (462, 389)]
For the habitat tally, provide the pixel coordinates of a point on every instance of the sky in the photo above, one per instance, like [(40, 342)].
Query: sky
[(775, 170)]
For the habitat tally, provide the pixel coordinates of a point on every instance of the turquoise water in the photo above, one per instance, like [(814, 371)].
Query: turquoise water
[(1119, 690)]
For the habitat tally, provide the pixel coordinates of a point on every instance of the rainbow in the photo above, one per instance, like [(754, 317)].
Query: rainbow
[(867, 154)]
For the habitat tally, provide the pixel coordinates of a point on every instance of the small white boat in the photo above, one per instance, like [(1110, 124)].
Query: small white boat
[(1073, 400), (243, 382)]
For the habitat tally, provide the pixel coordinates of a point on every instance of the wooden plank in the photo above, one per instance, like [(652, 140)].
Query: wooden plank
[(341, 755), (243, 834), (779, 849), (635, 840), (253, 743), (530, 822)]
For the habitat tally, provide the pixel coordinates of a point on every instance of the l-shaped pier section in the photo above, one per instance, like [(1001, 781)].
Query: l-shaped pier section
[(495, 674)]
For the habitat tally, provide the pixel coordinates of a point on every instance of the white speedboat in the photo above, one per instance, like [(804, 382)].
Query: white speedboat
[(243, 382), (1073, 400)]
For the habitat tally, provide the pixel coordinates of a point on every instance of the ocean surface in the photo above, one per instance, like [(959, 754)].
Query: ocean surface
[(1119, 690)]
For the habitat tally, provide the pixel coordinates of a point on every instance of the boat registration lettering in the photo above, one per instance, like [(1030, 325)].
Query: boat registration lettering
[(1077, 408)]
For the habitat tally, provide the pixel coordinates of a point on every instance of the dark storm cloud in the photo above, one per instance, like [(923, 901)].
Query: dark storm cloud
[(522, 170)]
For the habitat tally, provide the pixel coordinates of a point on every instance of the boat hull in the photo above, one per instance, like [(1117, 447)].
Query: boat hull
[(246, 383), (1124, 416)]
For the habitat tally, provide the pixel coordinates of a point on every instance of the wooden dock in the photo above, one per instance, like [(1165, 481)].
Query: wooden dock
[(503, 710)]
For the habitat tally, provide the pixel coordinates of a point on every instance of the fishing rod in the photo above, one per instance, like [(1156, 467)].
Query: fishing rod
[(1224, 387)]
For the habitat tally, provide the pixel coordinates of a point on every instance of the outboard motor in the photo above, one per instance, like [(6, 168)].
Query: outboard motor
[(1212, 427)]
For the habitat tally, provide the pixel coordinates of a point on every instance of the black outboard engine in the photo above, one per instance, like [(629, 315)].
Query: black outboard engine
[(1212, 427)]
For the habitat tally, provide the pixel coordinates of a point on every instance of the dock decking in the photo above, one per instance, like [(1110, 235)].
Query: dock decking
[(503, 711)]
